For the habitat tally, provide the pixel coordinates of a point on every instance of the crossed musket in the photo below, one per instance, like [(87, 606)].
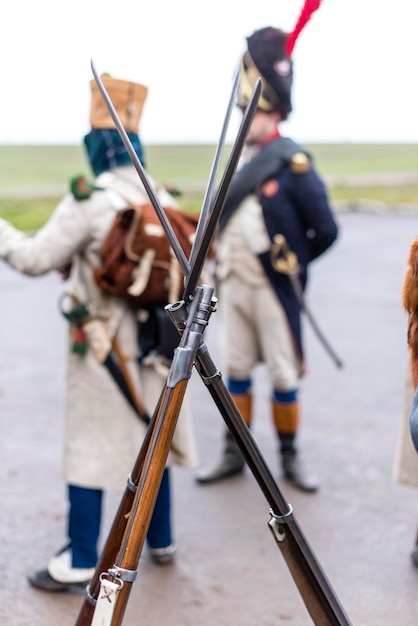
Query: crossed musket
[(108, 592)]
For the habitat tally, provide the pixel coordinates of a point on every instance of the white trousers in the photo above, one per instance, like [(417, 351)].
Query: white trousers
[(255, 329)]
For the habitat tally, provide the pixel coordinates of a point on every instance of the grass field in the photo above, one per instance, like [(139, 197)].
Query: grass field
[(33, 178)]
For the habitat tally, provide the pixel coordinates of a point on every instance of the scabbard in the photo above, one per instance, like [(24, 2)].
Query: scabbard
[(297, 288), (116, 373)]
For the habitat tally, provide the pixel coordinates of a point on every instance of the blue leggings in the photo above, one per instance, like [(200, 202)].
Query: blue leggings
[(85, 515), (242, 387)]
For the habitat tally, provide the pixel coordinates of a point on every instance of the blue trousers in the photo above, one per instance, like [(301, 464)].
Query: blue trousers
[(84, 518)]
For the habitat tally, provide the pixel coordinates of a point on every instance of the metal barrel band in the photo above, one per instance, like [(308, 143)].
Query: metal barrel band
[(276, 521), (119, 575), (131, 485), (123, 575), (208, 380), (90, 599)]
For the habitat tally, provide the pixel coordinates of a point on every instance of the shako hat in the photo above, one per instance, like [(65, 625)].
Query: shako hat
[(268, 57), (128, 99)]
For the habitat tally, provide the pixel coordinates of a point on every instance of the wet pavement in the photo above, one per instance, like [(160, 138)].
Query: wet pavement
[(361, 525)]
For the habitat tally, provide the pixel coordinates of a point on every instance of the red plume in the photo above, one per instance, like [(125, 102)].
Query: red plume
[(305, 15)]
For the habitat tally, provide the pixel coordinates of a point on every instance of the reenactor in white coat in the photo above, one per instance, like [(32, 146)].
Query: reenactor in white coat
[(103, 434)]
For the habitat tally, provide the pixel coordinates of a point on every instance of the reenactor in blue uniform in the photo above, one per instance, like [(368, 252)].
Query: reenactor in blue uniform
[(276, 220)]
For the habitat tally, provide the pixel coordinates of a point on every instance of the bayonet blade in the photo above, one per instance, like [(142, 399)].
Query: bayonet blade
[(208, 199), (196, 267)]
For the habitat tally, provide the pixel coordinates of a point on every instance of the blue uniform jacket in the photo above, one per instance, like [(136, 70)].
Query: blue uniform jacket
[(295, 204)]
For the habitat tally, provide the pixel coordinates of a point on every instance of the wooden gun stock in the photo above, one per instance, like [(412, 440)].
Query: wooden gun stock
[(130, 526), (144, 501), (114, 538)]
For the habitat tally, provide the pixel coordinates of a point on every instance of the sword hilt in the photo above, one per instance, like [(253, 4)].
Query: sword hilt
[(283, 259)]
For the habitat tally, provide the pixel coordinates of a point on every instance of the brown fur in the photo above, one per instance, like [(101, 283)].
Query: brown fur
[(410, 303)]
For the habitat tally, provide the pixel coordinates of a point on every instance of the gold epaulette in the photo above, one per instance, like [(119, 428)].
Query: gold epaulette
[(299, 163)]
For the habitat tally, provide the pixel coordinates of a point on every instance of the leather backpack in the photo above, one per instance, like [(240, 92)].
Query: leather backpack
[(138, 263)]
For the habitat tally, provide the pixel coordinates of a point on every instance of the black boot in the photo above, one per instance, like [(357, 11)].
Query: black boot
[(60, 575), (293, 468), (231, 463)]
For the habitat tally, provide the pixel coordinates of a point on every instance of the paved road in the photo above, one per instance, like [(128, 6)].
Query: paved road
[(229, 572)]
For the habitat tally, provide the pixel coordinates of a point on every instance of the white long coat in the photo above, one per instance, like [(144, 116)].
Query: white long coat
[(103, 435)]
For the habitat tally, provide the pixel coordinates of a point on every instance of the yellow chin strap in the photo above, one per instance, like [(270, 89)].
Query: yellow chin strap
[(249, 75)]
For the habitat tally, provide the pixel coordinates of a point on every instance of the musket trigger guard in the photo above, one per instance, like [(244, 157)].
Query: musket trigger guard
[(276, 522)]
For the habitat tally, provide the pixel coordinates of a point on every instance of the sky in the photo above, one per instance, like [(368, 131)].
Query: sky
[(355, 67)]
